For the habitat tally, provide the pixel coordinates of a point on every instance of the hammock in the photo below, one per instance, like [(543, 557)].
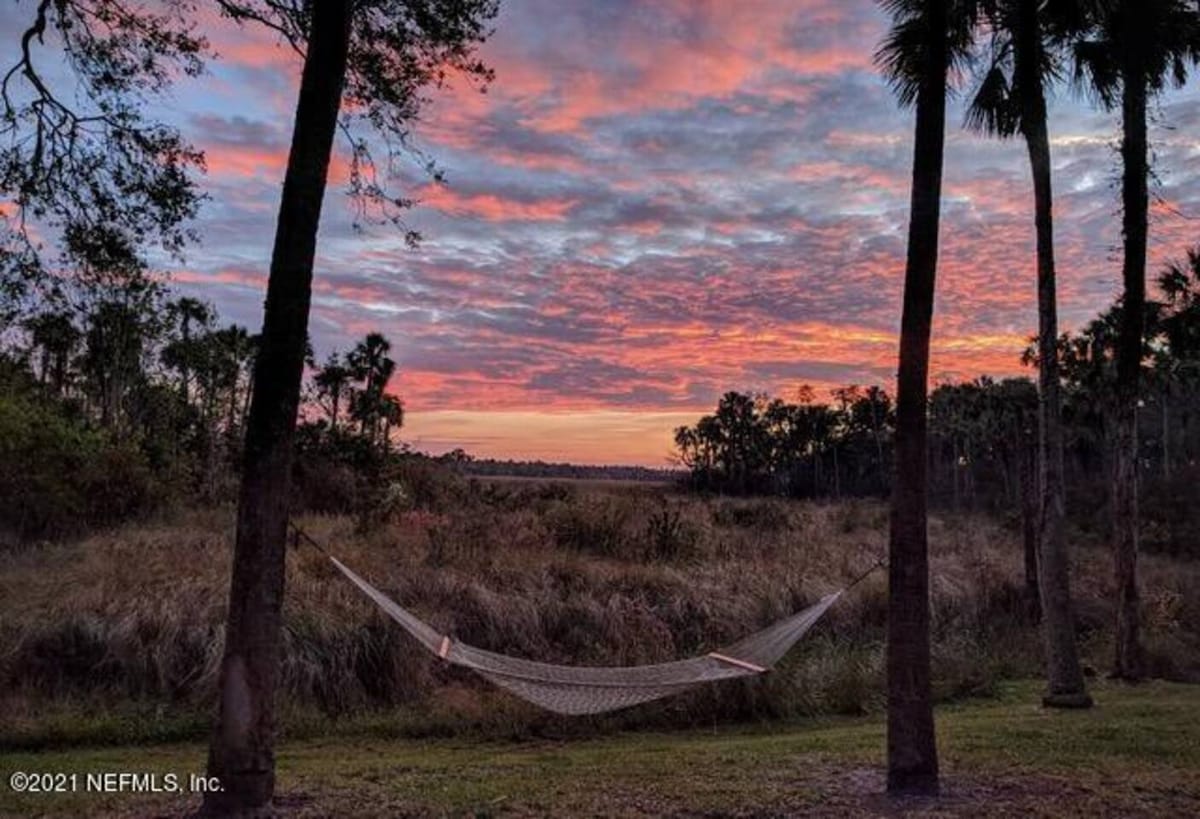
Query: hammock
[(573, 690)]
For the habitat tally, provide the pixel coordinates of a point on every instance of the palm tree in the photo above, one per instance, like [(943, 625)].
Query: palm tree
[(55, 334), (1028, 40), (236, 348), (879, 404), (332, 382), (927, 38), (391, 410), (1139, 48), (369, 362), (187, 311), (111, 363)]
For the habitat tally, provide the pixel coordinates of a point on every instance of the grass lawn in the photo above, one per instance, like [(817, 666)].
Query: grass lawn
[(1137, 753)]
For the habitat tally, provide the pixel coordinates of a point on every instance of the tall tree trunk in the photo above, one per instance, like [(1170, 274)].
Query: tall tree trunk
[(1064, 677), (241, 754), (247, 395), (1127, 662), (911, 744), (231, 427), (184, 369)]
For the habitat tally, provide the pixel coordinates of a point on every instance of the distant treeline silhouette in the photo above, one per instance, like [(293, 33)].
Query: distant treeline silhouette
[(982, 433), (543, 469)]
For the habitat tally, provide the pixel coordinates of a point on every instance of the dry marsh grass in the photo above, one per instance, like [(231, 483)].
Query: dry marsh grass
[(593, 575)]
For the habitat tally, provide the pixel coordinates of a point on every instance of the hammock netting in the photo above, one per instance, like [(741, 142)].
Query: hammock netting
[(567, 689)]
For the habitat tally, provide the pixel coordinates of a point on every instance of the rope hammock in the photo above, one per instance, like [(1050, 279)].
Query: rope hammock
[(575, 690)]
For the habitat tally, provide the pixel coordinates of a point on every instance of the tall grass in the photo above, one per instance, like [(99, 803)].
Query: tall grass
[(563, 574)]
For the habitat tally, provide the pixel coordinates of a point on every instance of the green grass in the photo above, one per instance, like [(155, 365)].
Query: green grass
[(1137, 753)]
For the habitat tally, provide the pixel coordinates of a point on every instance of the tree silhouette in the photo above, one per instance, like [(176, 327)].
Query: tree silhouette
[(1178, 361), (54, 333), (369, 363), (391, 415), (375, 56), (928, 38), (333, 383), (188, 314), (111, 364), (78, 154), (1030, 39), (1138, 49), (237, 348)]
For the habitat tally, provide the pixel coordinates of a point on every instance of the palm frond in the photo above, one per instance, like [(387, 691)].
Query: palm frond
[(962, 25), (993, 109), (1097, 73), (901, 58), (902, 54), (1173, 281), (1157, 40)]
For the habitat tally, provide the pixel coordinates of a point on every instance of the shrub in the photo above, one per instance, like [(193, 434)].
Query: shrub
[(60, 477), (669, 535), (341, 473), (597, 525), (1169, 520), (761, 515)]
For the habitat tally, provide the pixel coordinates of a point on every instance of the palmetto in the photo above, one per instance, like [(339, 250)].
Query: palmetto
[(1030, 41), (1137, 49), (928, 39)]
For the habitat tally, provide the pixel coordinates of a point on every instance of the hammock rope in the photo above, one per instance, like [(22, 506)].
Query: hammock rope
[(576, 690)]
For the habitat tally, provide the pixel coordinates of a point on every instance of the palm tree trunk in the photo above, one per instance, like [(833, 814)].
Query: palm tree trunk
[(1064, 676), (1127, 662), (911, 744), (241, 753)]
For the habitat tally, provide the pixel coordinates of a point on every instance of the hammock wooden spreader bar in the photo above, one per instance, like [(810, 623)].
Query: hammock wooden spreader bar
[(757, 669)]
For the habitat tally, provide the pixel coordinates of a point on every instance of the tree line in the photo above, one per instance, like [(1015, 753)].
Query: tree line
[(160, 389), (982, 441), (113, 183)]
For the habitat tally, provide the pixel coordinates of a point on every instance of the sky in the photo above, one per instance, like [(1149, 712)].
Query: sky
[(655, 202)]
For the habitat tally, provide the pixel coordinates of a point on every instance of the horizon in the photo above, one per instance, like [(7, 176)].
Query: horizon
[(656, 203)]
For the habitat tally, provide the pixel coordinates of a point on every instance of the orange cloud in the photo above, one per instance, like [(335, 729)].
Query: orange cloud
[(492, 207)]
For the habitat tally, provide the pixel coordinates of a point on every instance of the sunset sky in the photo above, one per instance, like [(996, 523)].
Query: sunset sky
[(656, 202)]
